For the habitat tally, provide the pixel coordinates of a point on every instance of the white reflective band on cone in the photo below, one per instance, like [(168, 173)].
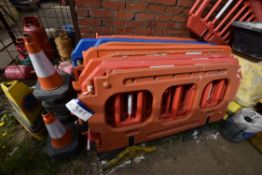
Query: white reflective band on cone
[(55, 130), (43, 67)]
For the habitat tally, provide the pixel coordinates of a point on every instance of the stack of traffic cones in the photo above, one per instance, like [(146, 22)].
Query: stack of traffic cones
[(55, 91)]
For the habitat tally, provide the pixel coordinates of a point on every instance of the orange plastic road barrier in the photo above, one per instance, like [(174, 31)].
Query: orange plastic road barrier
[(102, 66), (214, 25), (130, 104), (105, 50), (119, 44), (60, 136), (144, 37), (174, 50), (47, 76)]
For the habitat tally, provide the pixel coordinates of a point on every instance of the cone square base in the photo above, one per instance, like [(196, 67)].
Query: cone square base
[(55, 95), (66, 152)]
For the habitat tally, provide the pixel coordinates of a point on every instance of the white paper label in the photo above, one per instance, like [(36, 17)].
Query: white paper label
[(79, 109)]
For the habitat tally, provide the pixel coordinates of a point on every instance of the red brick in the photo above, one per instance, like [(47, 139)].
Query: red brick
[(88, 35), (159, 32), (185, 3), (168, 2), (89, 21), (101, 13), (82, 12), (162, 24), (143, 31), (178, 32), (123, 14), (172, 25), (134, 23), (168, 25), (174, 10), (136, 6), (113, 4), (165, 2), (145, 16), (103, 30), (123, 30), (181, 26), (86, 29), (88, 3), (156, 8), (109, 22), (151, 24), (164, 17), (186, 12), (179, 18)]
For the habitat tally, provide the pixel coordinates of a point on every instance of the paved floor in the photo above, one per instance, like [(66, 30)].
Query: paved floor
[(203, 154)]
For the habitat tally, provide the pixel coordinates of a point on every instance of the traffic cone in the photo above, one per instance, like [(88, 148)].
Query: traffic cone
[(48, 77), (60, 136), (63, 141)]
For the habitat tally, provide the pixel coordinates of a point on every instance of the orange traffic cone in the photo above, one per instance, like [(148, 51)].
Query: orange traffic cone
[(48, 77), (60, 136)]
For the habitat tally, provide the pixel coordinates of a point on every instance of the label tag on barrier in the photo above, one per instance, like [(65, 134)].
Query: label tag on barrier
[(79, 109)]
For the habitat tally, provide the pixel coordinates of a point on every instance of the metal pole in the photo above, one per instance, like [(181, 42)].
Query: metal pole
[(74, 18)]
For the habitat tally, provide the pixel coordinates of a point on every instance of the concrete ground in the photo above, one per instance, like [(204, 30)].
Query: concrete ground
[(201, 154)]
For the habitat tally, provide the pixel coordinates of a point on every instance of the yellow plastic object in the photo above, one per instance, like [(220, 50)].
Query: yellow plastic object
[(27, 108), (250, 90), (233, 107), (129, 153), (257, 141)]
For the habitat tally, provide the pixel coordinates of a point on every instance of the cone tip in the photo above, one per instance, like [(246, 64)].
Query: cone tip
[(27, 38), (30, 44)]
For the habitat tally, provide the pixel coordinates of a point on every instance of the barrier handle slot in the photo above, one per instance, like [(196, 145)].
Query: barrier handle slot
[(139, 109), (168, 103), (206, 95), (218, 92), (176, 100), (190, 98), (118, 109)]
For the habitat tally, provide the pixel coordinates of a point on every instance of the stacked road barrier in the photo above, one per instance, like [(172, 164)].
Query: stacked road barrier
[(141, 91), (212, 21), (54, 91)]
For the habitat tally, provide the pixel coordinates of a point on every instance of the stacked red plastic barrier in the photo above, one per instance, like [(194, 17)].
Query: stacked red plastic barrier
[(212, 22), (148, 91)]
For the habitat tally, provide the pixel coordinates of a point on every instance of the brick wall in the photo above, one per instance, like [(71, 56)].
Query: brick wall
[(141, 17)]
